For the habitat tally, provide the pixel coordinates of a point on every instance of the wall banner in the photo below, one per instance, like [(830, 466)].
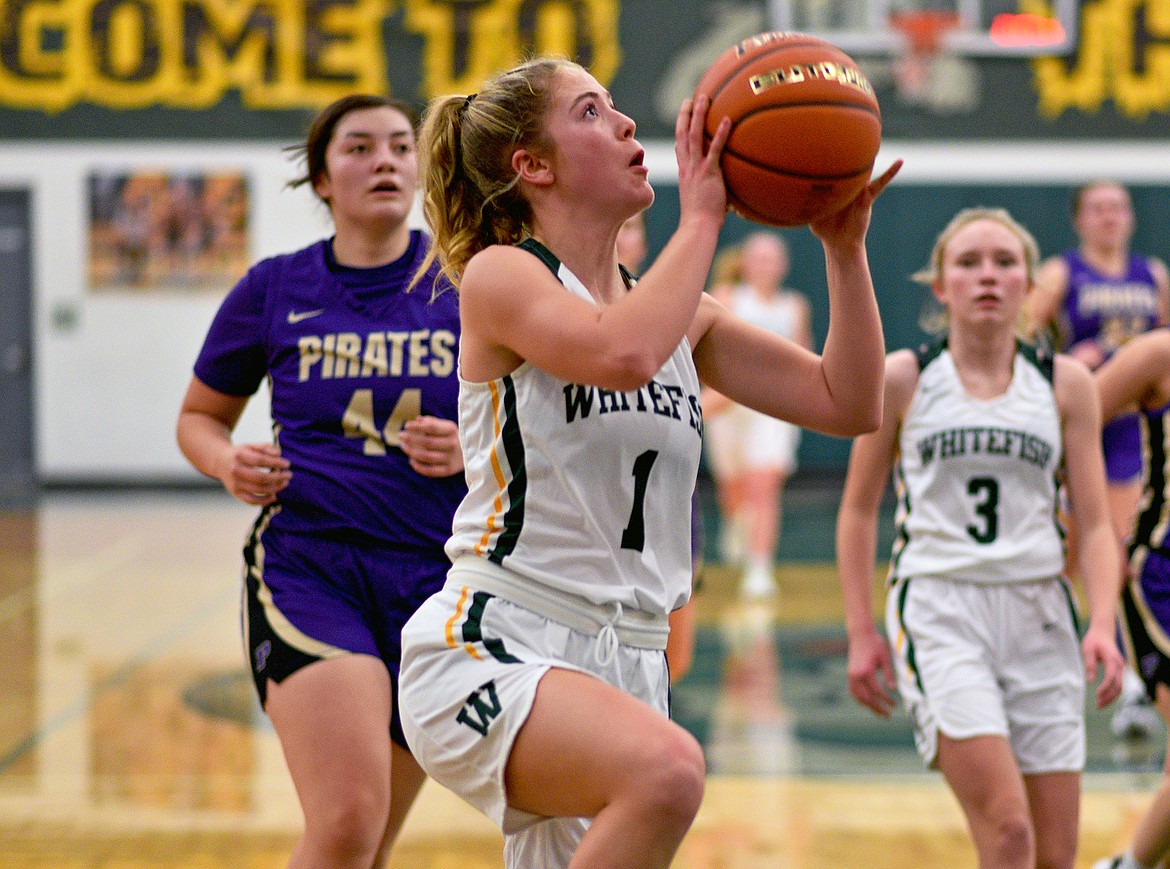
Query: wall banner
[(257, 69)]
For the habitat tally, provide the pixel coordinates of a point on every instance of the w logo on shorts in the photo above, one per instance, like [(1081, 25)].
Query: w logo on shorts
[(481, 708)]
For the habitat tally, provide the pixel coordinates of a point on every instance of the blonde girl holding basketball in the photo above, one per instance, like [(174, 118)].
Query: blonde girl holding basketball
[(535, 685), (987, 654)]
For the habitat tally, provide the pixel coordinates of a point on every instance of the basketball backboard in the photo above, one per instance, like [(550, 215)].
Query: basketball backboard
[(985, 28)]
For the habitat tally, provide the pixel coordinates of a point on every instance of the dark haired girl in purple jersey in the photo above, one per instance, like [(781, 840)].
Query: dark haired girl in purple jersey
[(357, 488), (1098, 296)]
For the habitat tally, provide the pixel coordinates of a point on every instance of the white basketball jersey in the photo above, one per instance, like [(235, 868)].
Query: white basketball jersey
[(581, 488), (976, 480), (777, 315)]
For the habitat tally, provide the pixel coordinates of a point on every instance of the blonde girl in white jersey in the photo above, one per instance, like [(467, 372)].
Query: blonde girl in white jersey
[(752, 455), (988, 658), (535, 684)]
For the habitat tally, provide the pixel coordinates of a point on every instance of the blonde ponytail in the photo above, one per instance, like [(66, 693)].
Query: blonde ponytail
[(471, 197)]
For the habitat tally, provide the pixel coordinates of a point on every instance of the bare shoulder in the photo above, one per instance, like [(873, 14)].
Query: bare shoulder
[(1070, 369), (501, 283), (1072, 381), (1054, 265), (901, 380), (902, 369), (1052, 275), (500, 265)]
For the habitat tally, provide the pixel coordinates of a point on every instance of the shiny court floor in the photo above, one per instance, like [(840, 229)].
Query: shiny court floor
[(129, 736)]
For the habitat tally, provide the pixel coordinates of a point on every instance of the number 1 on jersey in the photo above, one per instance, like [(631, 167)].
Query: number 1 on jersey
[(634, 534)]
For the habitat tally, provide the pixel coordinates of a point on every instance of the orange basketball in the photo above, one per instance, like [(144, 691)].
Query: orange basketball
[(806, 126)]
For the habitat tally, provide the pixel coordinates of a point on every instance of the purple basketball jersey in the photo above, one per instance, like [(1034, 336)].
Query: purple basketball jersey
[(1109, 309), (350, 358)]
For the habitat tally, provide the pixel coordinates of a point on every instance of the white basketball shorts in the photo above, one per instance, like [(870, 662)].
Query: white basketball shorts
[(739, 439), (471, 663), (977, 659)]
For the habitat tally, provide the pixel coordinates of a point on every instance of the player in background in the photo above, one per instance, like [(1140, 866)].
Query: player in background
[(1094, 298), (988, 658), (1138, 375), (359, 486), (535, 685), (752, 455)]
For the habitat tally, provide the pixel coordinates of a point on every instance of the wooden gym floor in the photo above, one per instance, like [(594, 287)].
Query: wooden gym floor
[(129, 736)]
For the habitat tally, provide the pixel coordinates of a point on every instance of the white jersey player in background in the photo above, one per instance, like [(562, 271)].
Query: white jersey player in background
[(752, 454), (988, 657)]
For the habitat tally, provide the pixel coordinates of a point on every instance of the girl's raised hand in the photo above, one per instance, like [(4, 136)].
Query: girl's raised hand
[(852, 222), (700, 179)]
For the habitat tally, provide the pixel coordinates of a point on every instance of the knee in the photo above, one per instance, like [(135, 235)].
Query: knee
[(351, 825), (674, 779), (1014, 840)]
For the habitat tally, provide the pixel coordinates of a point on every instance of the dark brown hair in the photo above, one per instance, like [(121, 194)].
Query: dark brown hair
[(1078, 195), (312, 151)]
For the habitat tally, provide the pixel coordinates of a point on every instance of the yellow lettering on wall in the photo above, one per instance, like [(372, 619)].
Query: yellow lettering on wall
[(129, 54), (1107, 65), (22, 42), (466, 43)]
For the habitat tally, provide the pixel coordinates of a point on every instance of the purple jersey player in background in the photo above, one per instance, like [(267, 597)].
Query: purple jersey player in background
[(1140, 374), (1097, 297), (359, 487)]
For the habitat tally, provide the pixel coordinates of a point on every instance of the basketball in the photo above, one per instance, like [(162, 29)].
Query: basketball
[(805, 127)]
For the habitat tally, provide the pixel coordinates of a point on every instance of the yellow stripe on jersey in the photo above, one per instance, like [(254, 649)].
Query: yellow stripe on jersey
[(498, 470), (449, 630)]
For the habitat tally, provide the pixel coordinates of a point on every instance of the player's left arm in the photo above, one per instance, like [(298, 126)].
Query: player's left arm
[(838, 392), (1098, 552), (1137, 375), (1162, 282), (829, 393), (757, 368)]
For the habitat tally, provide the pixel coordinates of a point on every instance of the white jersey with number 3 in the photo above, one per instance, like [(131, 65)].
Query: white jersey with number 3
[(579, 488), (977, 480)]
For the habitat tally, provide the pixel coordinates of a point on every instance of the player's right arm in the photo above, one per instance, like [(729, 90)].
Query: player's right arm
[(254, 473), (513, 309), (870, 671)]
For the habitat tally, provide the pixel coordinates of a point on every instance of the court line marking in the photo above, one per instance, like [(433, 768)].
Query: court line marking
[(148, 653)]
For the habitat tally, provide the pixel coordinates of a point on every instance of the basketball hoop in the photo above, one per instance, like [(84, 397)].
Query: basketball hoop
[(924, 32), (925, 29)]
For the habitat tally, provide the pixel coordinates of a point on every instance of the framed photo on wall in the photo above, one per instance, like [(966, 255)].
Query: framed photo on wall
[(150, 230)]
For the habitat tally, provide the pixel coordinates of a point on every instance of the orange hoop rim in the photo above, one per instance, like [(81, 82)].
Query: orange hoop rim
[(924, 29)]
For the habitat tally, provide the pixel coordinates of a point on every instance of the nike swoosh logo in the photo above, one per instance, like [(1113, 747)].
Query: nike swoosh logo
[(297, 316)]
